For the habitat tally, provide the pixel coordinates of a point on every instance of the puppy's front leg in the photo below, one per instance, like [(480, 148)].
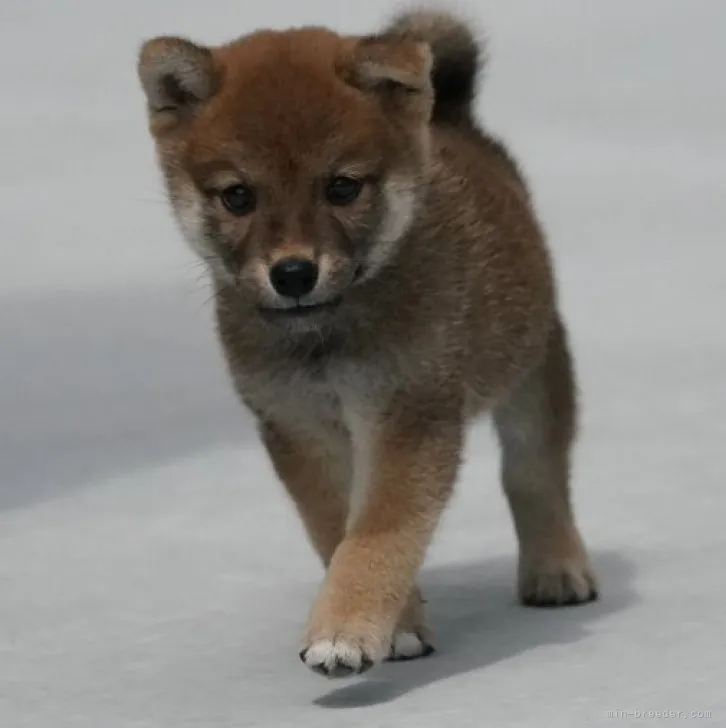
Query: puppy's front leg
[(415, 453)]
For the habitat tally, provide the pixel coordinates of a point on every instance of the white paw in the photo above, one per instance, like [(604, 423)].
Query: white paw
[(409, 646), (336, 658)]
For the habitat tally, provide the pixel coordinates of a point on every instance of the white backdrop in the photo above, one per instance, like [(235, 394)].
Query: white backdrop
[(152, 573)]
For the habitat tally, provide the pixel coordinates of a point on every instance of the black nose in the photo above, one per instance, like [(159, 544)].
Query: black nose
[(294, 277)]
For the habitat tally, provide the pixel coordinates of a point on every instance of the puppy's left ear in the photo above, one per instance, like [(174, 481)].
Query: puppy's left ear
[(396, 70)]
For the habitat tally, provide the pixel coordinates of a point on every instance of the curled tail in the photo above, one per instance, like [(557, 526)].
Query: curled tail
[(457, 61)]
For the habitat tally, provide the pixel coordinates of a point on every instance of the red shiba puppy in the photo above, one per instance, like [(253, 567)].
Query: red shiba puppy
[(381, 278)]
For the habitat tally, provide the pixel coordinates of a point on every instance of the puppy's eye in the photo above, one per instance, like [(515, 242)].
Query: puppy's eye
[(239, 199), (343, 190)]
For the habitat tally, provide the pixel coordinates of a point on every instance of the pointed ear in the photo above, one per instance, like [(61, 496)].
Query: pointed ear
[(177, 76), (398, 70)]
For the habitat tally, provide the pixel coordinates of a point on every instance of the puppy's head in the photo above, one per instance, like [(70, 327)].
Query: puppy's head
[(293, 160)]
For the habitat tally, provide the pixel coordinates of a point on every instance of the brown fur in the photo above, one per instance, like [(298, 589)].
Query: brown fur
[(440, 303)]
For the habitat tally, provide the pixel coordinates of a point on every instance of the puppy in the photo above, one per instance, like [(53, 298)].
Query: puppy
[(380, 279)]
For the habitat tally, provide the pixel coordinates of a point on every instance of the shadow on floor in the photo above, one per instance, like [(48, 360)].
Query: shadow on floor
[(478, 623)]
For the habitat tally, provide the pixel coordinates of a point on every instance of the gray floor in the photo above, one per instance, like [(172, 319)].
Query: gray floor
[(152, 573)]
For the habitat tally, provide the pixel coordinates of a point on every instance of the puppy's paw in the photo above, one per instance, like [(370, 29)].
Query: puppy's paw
[(341, 644), (412, 639), (338, 657), (409, 646), (556, 583)]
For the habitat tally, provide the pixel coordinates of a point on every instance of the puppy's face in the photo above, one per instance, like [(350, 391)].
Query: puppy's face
[(293, 160)]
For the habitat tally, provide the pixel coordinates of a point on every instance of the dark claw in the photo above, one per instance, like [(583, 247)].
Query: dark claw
[(340, 669), (321, 670), (428, 650)]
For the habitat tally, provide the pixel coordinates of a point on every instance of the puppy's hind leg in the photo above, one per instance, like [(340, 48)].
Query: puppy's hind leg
[(536, 425)]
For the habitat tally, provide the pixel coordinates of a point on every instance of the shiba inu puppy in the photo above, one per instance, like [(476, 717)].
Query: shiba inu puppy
[(380, 279)]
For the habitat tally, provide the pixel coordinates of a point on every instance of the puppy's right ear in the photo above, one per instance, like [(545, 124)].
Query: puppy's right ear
[(177, 76)]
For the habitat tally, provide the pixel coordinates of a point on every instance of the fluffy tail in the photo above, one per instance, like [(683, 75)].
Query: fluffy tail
[(457, 61)]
